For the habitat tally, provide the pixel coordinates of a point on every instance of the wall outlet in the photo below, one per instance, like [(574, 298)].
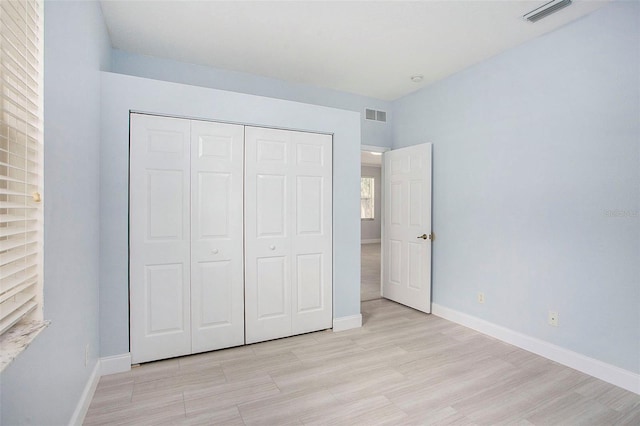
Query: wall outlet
[(480, 297), (86, 355), (553, 318)]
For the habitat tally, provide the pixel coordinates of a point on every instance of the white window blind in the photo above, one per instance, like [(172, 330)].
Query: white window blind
[(367, 202), (20, 162)]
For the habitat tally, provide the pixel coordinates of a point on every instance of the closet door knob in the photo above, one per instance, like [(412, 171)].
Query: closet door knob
[(272, 247), (214, 251)]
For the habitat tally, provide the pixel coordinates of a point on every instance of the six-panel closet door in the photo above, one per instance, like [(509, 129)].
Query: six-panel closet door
[(159, 238), (217, 256), (230, 235), (288, 233), (186, 237)]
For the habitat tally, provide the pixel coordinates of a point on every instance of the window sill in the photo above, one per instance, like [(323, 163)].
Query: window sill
[(13, 342), (367, 219)]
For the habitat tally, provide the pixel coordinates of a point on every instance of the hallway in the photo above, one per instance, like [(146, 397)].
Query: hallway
[(370, 272)]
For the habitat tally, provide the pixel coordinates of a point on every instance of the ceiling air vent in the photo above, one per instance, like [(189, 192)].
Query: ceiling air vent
[(375, 115), (546, 10)]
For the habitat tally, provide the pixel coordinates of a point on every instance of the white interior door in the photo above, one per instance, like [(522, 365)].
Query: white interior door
[(406, 239), (159, 235), (288, 233), (217, 267)]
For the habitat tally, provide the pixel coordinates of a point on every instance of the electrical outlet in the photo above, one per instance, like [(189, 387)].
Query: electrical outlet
[(86, 355), (481, 297), (553, 318)]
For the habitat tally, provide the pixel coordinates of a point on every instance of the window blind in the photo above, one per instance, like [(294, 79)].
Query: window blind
[(20, 161)]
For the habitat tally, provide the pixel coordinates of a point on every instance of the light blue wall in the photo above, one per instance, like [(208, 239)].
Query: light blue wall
[(373, 133), (43, 385), (121, 93), (532, 148)]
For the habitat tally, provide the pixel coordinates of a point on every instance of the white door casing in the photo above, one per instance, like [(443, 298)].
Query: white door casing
[(288, 233), (217, 257), (159, 234), (407, 216)]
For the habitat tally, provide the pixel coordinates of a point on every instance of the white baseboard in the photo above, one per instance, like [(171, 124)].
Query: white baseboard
[(87, 395), (347, 323), (107, 365), (593, 367), (115, 364), (373, 241)]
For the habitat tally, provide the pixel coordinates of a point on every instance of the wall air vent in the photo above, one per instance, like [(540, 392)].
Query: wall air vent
[(375, 115), (370, 114), (546, 10)]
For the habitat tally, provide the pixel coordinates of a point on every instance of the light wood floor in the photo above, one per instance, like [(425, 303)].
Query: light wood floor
[(402, 367), (369, 271)]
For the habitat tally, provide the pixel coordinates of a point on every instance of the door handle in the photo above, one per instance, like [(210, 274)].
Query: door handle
[(430, 236)]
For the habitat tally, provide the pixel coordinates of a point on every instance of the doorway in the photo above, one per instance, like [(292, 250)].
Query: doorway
[(370, 222), (396, 236)]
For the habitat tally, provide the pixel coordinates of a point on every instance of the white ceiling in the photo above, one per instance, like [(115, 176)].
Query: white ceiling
[(369, 48)]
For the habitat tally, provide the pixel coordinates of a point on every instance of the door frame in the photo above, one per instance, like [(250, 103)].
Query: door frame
[(372, 148)]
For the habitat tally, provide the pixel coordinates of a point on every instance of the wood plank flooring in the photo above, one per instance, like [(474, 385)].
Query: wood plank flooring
[(369, 272), (401, 368)]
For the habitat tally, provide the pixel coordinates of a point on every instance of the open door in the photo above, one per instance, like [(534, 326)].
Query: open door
[(406, 233)]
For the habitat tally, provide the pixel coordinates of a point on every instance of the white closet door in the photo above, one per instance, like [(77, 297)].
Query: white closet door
[(288, 241), (159, 234), (311, 230), (217, 269), (268, 215)]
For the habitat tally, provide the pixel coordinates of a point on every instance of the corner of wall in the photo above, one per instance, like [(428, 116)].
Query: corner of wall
[(347, 323)]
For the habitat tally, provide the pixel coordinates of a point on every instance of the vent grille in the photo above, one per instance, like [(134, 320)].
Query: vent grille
[(370, 114), (546, 10), (375, 115)]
